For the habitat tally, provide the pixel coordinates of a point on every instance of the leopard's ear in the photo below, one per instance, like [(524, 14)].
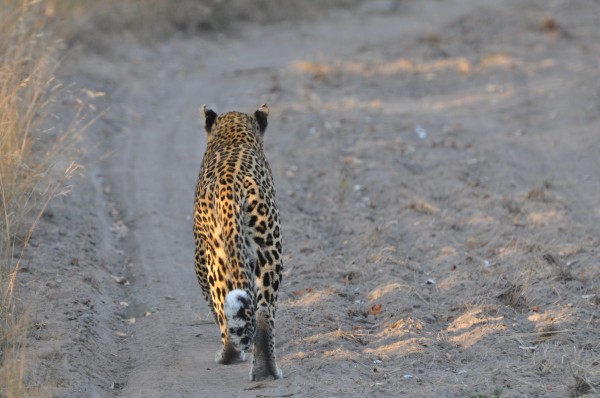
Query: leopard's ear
[(261, 117), (209, 118)]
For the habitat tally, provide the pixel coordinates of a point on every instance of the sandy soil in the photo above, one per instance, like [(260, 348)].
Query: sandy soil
[(436, 165)]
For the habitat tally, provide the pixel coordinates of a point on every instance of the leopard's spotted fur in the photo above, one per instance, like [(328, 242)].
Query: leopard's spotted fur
[(238, 238)]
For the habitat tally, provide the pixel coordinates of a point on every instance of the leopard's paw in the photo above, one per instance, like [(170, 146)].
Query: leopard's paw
[(258, 373), (226, 356)]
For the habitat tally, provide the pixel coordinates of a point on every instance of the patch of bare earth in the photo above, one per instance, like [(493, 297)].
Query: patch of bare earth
[(436, 166)]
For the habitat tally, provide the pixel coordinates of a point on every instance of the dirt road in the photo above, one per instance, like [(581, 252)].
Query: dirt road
[(436, 165)]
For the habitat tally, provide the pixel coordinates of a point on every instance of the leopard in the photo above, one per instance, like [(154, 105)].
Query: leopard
[(238, 256)]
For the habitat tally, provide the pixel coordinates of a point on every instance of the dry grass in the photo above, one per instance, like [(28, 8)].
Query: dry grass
[(29, 148), (586, 377)]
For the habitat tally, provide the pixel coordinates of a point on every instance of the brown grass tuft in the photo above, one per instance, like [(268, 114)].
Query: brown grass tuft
[(586, 378), (29, 149), (516, 294)]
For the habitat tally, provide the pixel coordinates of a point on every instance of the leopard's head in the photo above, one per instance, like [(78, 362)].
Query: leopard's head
[(235, 122)]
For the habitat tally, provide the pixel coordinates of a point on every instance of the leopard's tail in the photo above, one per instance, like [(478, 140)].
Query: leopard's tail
[(239, 311)]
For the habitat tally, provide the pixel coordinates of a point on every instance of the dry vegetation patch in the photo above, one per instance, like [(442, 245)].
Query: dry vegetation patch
[(32, 166)]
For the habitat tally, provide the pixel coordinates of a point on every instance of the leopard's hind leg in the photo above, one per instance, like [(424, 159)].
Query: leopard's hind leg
[(202, 260), (213, 290), (264, 363)]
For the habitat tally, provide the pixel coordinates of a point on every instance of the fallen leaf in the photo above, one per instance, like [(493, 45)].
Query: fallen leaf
[(549, 25), (375, 309), (421, 206)]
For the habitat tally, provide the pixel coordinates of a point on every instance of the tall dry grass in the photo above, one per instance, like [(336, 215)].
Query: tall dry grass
[(28, 149)]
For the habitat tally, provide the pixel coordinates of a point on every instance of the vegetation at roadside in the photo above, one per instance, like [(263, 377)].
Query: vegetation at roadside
[(32, 170)]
